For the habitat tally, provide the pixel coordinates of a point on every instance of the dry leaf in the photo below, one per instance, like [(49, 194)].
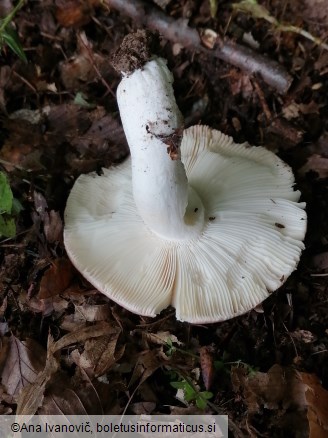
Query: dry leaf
[(38, 306), (272, 390), (146, 365), (317, 401), (294, 109), (84, 67), (56, 279), (286, 390), (317, 164), (240, 83), (72, 396), (82, 334), (74, 12), (93, 312), (83, 312), (53, 226), (104, 134), (143, 408), (31, 397), (99, 354), (23, 363), (20, 148), (70, 323), (161, 337), (291, 111), (303, 336), (206, 364)]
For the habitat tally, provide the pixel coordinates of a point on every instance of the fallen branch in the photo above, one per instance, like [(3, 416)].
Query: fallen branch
[(177, 31)]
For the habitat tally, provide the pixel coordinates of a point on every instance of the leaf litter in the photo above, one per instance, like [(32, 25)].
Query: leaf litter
[(65, 348)]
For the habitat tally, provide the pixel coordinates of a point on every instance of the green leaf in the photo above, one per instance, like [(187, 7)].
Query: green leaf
[(7, 227), (11, 38), (206, 394), (200, 403), (178, 385), (189, 392), (6, 195)]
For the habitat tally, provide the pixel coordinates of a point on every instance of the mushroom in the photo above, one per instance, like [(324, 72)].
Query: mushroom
[(195, 221)]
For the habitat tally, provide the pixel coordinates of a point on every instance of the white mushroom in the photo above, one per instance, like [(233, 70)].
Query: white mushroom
[(212, 233)]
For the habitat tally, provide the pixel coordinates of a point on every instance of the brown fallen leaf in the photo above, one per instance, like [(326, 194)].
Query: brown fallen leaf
[(272, 390), (207, 366), (53, 226), (83, 312), (74, 12), (147, 363), (287, 391), (71, 322), (143, 408), (104, 135), (100, 353), (293, 109), (56, 279), (75, 395), (160, 338), (31, 397), (82, 334), (93, 312), (317, 401), (316, 163), (240, 83), (4, 397), (24, 361), (83, 67), (303, 336), (44, 306)]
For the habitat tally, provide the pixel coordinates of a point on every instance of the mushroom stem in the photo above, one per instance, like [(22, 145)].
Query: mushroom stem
[(153, 127)]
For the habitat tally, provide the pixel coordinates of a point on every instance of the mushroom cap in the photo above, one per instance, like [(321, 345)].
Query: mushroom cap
[(249, 246)]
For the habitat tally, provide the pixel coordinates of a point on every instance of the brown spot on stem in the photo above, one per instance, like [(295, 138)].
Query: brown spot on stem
[(172, 141)]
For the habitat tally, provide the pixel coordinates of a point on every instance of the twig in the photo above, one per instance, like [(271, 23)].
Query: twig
[(26, 82), (177, 31), (319, 275)]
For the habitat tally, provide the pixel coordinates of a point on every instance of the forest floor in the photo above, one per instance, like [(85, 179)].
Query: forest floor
[(66, 348)]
